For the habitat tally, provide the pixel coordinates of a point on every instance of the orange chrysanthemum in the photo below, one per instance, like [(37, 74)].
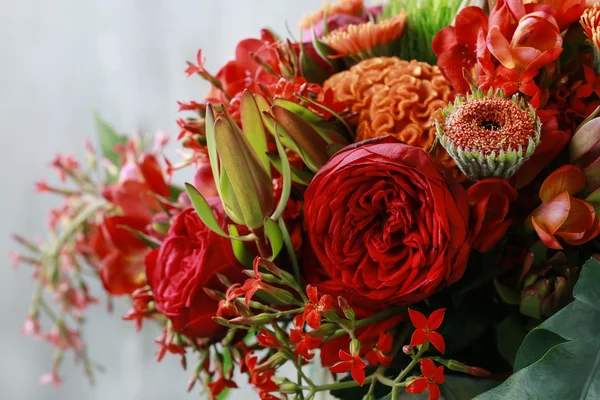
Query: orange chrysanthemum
[(590, 20), (365, 39), (346, 7), (395, 97)]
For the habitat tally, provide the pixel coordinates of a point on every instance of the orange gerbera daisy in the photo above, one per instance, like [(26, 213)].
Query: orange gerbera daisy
[(590, 20), (370, 39), (345, 7), (394, 97)]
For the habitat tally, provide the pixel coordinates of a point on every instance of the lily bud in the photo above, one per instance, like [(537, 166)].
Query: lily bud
[(258, 319), (348, 312)]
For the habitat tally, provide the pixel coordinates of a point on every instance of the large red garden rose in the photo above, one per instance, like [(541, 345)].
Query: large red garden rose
[(387, 223), (186, 263)]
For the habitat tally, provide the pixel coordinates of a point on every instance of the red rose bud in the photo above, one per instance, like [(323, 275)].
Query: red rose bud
[(250, 198)]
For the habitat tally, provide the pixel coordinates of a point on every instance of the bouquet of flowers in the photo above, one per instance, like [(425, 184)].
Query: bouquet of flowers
[(406, 196)]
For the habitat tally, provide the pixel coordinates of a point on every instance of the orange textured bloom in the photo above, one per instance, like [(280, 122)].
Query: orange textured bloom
[(368, 38), (395, 97), (590, 20), (345, 7)]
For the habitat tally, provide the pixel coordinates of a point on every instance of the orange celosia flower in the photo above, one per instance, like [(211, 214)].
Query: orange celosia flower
[(346, 7), (363, 39), (590, 20), (395, 97)]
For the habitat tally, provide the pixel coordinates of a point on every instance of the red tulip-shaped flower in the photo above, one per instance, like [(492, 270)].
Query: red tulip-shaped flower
[(562, 215)]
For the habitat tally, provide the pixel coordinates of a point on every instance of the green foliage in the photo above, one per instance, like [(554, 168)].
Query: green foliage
[(424, 18), (108, 138), (560, 359)]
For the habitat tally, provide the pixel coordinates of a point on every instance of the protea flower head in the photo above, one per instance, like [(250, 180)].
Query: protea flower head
[(487, 134)]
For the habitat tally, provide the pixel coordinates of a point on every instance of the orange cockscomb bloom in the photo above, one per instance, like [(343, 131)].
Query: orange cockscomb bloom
[(395, 97), (368, 39), (342, 7), (590, 20)]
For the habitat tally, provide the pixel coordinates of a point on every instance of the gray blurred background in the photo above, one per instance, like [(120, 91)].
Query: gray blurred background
[(60, 61)]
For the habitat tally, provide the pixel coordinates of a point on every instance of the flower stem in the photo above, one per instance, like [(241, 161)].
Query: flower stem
[(369, 320)]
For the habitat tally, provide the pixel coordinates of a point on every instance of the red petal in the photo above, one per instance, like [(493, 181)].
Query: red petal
[(553, 213), (590, 75), (468, 23), (435, 319), (580, 219), (417, 386), (418, 320), (548, 239), (358, 374), (311, 292), (444, 40), (434, 391), (568, 178), (326, 302), (427, 367), (418, 337), (438, 376), (437, 341), (499, 47), (345, 356), (341, 367)]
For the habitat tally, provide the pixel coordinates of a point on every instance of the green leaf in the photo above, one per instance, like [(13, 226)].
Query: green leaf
[(209, 130), (146, 239), (560, 358), (203, 209), (298, 176), (289, 248), (108, 138), (239, 249), (254, 129), (310, 69), (509, 336), (275, 238), (287, 180), (507, 294)]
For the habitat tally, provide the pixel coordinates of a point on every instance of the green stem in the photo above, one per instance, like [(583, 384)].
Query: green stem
[(367, 321)]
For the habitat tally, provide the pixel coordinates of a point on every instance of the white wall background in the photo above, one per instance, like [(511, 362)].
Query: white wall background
[(59, 61)]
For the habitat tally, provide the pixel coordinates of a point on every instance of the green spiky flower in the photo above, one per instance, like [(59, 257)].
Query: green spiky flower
[(489, 135)]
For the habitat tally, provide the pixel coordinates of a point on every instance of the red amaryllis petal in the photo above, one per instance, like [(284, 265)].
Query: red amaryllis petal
[(568, 179), (444, 40), (435, 319), (499, 47), (547, 238), (418, 320), (434, 391), (418, 337), (437, 341), (417, 386), (468, 23), (553, 213)]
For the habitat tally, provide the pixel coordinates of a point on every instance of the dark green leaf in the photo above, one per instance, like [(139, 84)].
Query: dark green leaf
[(509, 336), (560, 358), (204, 210), (274, 236), (108, 138)]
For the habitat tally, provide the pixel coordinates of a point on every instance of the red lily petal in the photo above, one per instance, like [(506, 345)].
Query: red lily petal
[(434, 391), (568, 179), (418, 320), (437, 341), (417, 386), (435, 319), (418, 337)]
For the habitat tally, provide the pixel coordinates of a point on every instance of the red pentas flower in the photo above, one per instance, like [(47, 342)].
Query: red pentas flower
[(304, 342), (267, 339), (379, 353), (314, 309), (426, 329), (350, 363), (432, 377), (489, 200), (218, 386)]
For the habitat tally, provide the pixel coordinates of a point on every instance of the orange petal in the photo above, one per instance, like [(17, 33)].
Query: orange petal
[(547, 238), (554, 213), (568, 179), (580, 219)]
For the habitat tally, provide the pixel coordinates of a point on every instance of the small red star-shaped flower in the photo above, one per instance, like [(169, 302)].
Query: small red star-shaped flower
[(316, 306), (592, 84), (353, 364), (426, 329), (432, 377), (252, 285), (304, 342), (267, 339), (377, 355), (218, 386)]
